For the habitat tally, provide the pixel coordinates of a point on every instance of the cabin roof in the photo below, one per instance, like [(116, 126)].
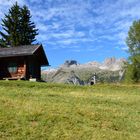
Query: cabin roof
[(26, 50)]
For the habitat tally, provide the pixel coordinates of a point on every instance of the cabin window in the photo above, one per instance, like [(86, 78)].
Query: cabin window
[(12, 67)]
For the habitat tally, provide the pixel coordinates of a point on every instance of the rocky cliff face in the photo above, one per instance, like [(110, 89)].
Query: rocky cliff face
[(71, 72), (112, 64), (69, 63)]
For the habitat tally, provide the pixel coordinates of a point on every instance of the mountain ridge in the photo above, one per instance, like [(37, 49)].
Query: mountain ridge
[(72, 72)]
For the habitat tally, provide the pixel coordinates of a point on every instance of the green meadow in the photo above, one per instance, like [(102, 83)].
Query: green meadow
[(41, 111)]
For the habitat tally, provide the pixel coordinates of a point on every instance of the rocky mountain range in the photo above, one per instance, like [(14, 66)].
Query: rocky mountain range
[(71, 72)]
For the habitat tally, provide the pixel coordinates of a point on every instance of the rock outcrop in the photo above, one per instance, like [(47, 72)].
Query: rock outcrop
[(69, 63)]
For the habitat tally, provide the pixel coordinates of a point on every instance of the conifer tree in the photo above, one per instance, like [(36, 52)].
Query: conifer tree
[(11, 25), (28, 30), (17, 27)]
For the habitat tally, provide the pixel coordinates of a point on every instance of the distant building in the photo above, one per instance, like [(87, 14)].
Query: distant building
[(23, 62)]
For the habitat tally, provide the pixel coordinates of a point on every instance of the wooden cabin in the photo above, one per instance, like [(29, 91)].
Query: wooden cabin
[(23, 62)]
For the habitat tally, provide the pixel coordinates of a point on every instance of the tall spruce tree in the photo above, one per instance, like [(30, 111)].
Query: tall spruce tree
[(133, 42), (17, 27), (28, 30), (11, 26)]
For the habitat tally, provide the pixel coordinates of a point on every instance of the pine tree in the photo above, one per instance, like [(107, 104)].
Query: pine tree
[(28, 30), (133, 42), (17, 27), (11, 26)]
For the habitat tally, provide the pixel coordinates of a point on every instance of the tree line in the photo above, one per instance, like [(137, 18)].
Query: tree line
[(18, 29)]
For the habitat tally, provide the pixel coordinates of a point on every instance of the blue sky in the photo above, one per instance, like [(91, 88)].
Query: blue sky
[(82, 30)]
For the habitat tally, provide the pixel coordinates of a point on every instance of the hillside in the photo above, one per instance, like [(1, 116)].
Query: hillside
[(35, 111), (111, 70)]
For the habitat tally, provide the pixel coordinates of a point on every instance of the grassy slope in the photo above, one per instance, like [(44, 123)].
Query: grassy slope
[(46, 111)]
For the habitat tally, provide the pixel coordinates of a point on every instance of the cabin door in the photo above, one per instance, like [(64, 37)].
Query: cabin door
[(31, 70)]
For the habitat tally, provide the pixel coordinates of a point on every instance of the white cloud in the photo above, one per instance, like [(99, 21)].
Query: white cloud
[(67, 34)]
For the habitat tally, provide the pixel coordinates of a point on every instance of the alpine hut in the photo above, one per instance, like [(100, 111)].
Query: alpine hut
[(22, 62)]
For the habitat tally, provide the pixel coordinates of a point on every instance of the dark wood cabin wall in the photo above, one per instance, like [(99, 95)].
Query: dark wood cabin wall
[(27, 67), (33, 68), (4, 73), (3, 70)]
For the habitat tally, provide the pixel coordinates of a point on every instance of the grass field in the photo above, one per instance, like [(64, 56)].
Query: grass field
[(40, 111)]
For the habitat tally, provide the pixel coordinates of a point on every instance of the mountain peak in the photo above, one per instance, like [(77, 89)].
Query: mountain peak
[(69, 63), (109, 61)]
